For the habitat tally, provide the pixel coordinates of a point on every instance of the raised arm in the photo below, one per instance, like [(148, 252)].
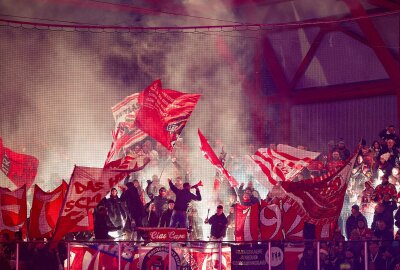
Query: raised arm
[(172, 186)]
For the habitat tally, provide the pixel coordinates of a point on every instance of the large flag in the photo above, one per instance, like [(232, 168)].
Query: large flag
[(284, 163), (164, 113), (279, 220), (209, 154), (21, 169), (45, 211), (13, 209), (126, 134), (86, 188), (319, 200), (247, 218)]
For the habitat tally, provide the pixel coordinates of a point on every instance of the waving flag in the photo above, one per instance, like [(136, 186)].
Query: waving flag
[(164, 113), (45, 211), (21, 169), (212, 157), (13, 209), (283, 164), (126, 134), (247, 218), (319, 200), (86, 188)]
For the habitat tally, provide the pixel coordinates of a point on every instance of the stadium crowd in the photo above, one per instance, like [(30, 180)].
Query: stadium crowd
[(370, 211)]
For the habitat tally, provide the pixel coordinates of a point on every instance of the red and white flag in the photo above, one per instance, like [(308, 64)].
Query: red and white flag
[(164, 113), (247, 218), (210, 155), (13, 209), (45, 211), (86, 188), (319, 200), (21, 169), (126, 134), (284, 163), (271, 225)]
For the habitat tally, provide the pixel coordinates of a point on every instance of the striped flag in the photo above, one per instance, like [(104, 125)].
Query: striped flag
[(126, 134), (284, 163), (164, 113)]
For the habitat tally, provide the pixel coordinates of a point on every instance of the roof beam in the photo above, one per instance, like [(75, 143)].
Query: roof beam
[(338, 92), (390, 65)]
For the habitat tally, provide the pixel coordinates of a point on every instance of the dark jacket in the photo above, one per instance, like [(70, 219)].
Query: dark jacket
[(133, 202), (351, 223), (166, 218), (116, 211), (102, 226), (183, 197), (218, 225)]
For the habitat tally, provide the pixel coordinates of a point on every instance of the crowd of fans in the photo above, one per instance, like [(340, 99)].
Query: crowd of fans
[(370, 210)]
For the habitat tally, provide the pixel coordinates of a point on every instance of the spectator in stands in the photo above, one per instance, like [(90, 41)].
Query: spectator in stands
[(116, 211), (183, 198), (308, 260), (334, 162), (352, 220), (153, 186), (152, 219), (254, 192), (394, 178), (160, 201), (246, 196), (351, 261), (134, 204), (382, 232), (325, 263), (374, 255), (389, 132), (382, 166), (218, 223), (376, 149), (230, 232), (343, 151), (178, 184), (385, 192), (362, 230), (195, 224), (103, 224), (390, 147), (383, 212), (140, 190), (166, 215), (388, 261)]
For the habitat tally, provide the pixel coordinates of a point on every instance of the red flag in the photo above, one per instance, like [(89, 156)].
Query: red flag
[(86, 188), (247, 218), (319, 200), (133, 162), (21, 169), (283, 164), (271, 225), (13, 209), (164, 113), (212, 157), (45, 211)]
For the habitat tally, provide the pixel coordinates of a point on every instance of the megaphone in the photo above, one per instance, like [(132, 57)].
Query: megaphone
[(199, 184)]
